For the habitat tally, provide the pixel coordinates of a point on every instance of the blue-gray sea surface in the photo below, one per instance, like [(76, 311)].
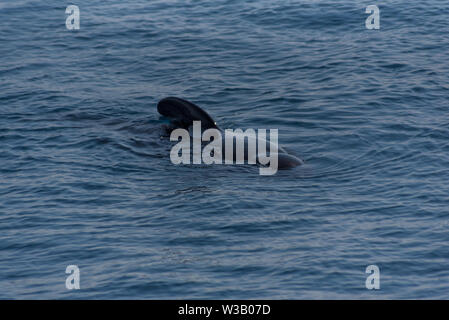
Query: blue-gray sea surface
[(86, 179)]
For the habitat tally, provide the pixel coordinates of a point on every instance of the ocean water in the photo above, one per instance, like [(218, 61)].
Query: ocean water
[(86, 179)]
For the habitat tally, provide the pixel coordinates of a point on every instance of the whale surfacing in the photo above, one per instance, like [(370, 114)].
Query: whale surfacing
[(183, 114)]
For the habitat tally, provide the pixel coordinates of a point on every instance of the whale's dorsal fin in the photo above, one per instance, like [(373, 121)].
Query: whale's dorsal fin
[(183, 113)]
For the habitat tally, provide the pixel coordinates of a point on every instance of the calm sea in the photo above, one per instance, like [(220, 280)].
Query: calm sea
[(86, 179)]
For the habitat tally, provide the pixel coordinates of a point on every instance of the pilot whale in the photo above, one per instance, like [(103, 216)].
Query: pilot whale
[(184, 114)]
